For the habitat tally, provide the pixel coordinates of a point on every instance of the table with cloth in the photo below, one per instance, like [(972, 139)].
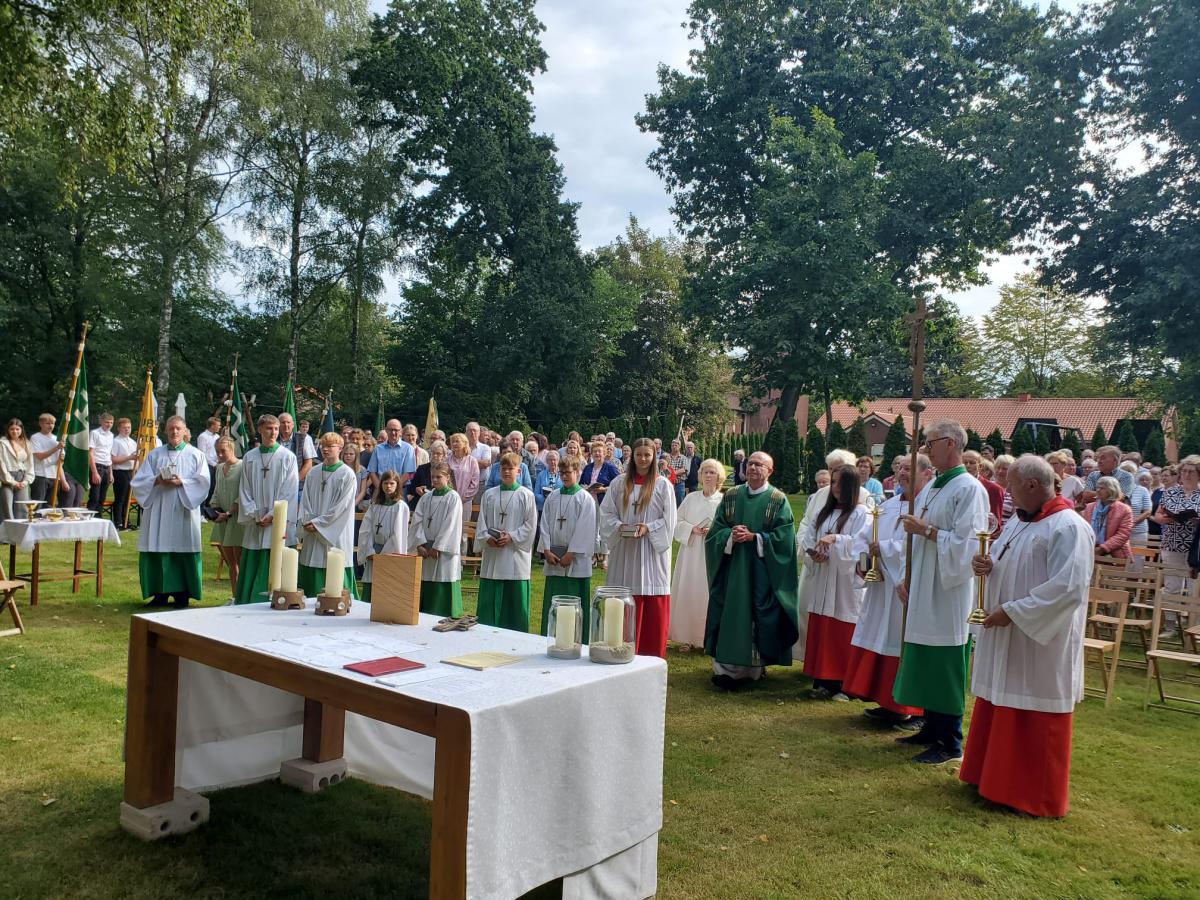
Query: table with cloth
[(538, 770), (29, 536)]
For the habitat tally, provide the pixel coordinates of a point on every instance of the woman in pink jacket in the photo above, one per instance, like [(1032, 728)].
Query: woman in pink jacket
[(1110, 518)]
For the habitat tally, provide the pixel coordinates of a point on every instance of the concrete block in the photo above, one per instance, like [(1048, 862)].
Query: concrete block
[(187, 811), (312, 776)]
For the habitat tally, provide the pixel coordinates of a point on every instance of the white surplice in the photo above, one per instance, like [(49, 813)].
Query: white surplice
[(882, 615), (328, 505), (942, 588), (833, 588), (641, 564), (438, 521), (266, 477), (569, 521), (171, 515), (516, 513), (384, 529), (689, 582), (1036, 663)]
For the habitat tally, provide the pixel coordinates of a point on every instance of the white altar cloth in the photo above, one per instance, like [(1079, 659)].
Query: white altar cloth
[(25, 534), (566, 756)]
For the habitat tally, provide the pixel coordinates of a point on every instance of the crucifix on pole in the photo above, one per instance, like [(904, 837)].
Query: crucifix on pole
[(916, 322)]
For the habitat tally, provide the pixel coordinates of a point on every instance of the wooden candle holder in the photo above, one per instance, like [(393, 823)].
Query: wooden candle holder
[(337, 605), (287, 600), (396, 588)]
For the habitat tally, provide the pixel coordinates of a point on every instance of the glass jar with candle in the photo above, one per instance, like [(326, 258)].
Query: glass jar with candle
[(565, 629), (614, 625)]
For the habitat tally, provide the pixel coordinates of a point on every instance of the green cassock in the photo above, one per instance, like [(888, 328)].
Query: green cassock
[(752, 604)]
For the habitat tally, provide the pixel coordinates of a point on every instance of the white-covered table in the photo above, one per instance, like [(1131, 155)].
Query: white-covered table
[(29, 536), (539, 770)]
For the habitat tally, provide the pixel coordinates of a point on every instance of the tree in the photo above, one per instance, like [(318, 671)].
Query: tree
[(974, 441), (954, 361), (1071, 443), (1098, 438), (1127, 440), (856, 440), (1042, 443), (1023, 336), (793, 450), (1155, 451), (836, 438), (995, 440), (814, 457), (1022, 441), (894, 444), (774, 445)]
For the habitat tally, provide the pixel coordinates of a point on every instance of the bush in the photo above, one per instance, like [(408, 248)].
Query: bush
[(814, 457), (788, 468), (856, 440), (1126, 439), (996, 440), (895, 444), (1098, 438), (1071, 443), (1156, 448), (1022, 442), (837, 439), (974, 441)]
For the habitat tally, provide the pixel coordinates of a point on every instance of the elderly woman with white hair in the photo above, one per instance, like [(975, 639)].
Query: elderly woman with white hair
[(689, 582), (1177, 513), (1111, 519)]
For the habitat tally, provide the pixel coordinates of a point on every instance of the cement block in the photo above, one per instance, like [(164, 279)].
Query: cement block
[(312, 776), (186, 812)]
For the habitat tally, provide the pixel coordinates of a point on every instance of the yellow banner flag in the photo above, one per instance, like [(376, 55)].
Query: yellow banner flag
[(431, 419), (147, 430)]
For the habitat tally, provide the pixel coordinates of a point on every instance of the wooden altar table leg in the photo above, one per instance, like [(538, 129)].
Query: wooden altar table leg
[(35, 573), (99, 568), (324, 731), (151, 706), (75, 579), (451, 793)]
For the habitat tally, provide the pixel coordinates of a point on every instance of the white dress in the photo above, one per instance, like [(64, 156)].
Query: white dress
[(1036, 663), (569, 520), (437, 520), (384, 530), (266, 477), (171, 515), (641, 564), (882, 614), (516, 513), (327, 504), (689, 583), (832, 588)]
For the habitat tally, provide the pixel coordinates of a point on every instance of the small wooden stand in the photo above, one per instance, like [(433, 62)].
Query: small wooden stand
[(396, 589), (287, 600), (337, 605)]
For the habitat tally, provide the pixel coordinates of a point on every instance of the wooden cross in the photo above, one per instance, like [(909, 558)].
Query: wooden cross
[(915, 321)]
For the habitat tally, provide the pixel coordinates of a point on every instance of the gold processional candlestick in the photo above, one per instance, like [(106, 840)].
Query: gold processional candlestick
[(874, 575), (978, 614)]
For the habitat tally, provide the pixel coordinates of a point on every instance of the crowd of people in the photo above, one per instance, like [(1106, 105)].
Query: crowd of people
[(748, 584)]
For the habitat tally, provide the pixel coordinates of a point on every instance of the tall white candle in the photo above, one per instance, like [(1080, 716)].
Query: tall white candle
[(290, 569), (614, 621), (335, 572), (278, 531), (564, 628)]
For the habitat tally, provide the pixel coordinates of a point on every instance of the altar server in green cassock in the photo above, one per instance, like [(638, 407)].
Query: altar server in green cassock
[(384, 527), (950, 511), (505, 535), (170, 486), (750, 552), (567, 539), (437, 536), (326, 518), (268, 474)]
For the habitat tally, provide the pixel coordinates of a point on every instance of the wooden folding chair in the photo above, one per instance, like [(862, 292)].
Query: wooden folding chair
[(1184, 605), (1097, 646), (471, 563), (1137, 587), (8, 600)]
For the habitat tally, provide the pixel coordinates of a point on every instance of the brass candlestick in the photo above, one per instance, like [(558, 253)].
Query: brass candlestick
[(985, 539), (874, 575)]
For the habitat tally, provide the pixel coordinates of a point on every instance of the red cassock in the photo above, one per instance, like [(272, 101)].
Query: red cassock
[(827, 647), (653, 618), (870, 676), (1019, 758)]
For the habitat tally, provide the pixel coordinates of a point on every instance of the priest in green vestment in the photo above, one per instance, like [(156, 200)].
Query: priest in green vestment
[(750, 553)]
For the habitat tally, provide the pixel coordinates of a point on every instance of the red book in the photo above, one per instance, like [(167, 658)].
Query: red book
[(385, 666)]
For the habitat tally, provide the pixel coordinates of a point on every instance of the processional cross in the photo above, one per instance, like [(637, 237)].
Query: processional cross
[(916, 322)]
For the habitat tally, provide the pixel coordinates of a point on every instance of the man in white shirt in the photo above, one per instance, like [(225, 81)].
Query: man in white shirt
[(124, 457), (478, 449), (206, 443), (100, 456), (46, 447), (301, 445)]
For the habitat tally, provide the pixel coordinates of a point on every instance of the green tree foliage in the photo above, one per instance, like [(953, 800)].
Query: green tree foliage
[(954, 362), (996, 441), (1022, 441), (974, 441), (1042, 444), (1126, 439), (856, 440), (814, 457), (1155, 451), (894, 445), (1071, 443), (788, 468), (836, 438)]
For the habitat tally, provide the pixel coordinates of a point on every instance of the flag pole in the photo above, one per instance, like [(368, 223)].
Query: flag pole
[(141, 459), (916, 406), (66, 419)]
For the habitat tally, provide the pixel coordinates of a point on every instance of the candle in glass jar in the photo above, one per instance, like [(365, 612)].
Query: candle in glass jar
[(278, 531), (335, 572), (614, 621), (290, 569), (564, 627)]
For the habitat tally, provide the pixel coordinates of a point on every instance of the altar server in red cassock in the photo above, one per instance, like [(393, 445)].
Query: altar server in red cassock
[(1028, 672)]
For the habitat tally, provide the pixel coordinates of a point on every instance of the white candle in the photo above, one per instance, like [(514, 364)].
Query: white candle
[(278, 530), (614, 621), (335, 572), (290, 569), (564, 628)]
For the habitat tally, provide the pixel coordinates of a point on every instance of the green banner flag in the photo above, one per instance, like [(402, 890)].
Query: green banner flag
[(237, 421), (379, 415), (289, 401), (78, 434)]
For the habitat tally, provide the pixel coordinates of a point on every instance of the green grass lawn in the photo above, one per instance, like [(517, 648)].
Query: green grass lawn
[(766, 794)]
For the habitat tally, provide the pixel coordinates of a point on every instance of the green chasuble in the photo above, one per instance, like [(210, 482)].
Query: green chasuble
[(752, 603), (441, 598), (254, 572), (504, 603), (170, 573), (558, 585), (311, 580)]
